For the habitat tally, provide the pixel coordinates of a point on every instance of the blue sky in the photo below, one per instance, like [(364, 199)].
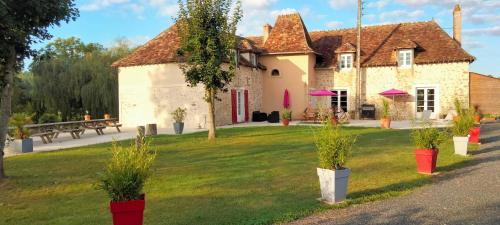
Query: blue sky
[(104, 21)]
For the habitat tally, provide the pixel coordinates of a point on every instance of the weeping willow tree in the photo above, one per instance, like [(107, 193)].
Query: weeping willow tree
[(70, 78)]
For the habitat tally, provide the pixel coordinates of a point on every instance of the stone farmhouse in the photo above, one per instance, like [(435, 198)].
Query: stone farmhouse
[(418, 57)]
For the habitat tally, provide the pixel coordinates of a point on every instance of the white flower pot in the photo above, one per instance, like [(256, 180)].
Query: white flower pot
[(460, 144), (333, 184)]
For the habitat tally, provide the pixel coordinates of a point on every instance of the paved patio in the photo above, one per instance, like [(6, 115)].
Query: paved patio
[(65, 141)]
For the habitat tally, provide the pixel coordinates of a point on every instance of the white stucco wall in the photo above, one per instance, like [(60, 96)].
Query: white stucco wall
[(148, 94)]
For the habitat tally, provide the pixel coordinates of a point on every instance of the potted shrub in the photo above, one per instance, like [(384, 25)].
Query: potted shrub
[(286, 115), (22, 141), (385, 120), (461, 128), (87, 117), (477, 115), (334, 147), (123, 180), (427, 141), (179, 115)]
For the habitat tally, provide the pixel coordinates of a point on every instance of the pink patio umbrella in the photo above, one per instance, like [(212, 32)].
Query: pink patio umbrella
[(286, 99), (322, 92), (393, 93)]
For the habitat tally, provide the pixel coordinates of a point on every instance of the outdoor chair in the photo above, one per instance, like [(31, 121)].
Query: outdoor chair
[(274, 117), (309, 114)]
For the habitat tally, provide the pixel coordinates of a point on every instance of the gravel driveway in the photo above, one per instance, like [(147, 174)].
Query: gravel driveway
[(469, 195)]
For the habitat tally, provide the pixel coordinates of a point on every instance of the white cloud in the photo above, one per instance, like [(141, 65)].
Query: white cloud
[(495, 31), (257, 4), (334, 24), (341, 4), (101, 4), (169, 10), (378, 4), (276, 13), (400, 15)]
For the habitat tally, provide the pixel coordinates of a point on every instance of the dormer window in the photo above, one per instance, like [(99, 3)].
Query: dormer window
[(405, 58), (346, 61), (253, 59)]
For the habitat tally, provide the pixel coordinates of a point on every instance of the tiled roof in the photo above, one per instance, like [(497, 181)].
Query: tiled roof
[(378, 44), (289, 34), (162, 49), (346, 47)]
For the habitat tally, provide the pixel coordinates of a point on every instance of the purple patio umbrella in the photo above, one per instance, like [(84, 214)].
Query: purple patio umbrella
[(322, 92), (286, 99)]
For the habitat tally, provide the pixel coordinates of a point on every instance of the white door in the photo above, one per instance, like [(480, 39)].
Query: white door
[(426, 99), (340, 100), (240, 105)]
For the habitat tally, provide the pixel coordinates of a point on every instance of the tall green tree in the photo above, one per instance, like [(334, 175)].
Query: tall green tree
[(207, 29), (71, 77), (23, 23)]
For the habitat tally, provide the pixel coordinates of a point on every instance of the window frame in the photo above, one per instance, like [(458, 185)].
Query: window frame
[(346, 56), (406, 61)]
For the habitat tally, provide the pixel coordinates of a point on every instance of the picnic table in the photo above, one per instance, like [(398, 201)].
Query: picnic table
[(49, 131)]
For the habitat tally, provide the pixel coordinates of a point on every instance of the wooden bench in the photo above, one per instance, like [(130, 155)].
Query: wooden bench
[(116, 125), (75, 132), (45, 136)]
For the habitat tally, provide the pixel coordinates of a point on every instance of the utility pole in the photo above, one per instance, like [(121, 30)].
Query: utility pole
[(358, 62)]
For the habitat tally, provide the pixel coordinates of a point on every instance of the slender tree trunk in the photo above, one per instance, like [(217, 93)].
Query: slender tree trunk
[(5, 107), (211, 114)]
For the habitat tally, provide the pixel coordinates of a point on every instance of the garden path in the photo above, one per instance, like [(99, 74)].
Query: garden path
[(469, 195)]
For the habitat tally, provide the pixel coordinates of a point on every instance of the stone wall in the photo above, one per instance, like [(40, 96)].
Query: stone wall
[(246, 78), (451, 80)]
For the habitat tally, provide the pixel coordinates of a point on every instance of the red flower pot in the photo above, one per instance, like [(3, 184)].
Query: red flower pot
[(474, 135), (285, 122), (86, 117), (426, 160), (107, 116), (385, 123), (128, 212)]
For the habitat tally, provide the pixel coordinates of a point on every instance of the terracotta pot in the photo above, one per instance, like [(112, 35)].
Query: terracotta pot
[(285, 122), (477, 118), (474, 135), (426, 160), (107, 116), (334, 121), (385, 123), (87, 117), (128, 212)]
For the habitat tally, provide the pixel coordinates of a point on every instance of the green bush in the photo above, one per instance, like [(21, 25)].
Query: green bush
[(18, 120), (428, 137), (286, 114), (334, 146), (386, 109), (463, 123), (179, 114), (127, 172), (49, 118)]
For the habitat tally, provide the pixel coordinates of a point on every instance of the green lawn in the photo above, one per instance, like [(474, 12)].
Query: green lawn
[(250, 176)]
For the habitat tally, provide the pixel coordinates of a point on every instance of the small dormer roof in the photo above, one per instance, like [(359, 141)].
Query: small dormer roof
[(406, 44), (346, 48)]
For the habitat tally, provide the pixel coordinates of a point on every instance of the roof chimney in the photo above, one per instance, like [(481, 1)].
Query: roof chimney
[(457, 24), (267, 31)]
